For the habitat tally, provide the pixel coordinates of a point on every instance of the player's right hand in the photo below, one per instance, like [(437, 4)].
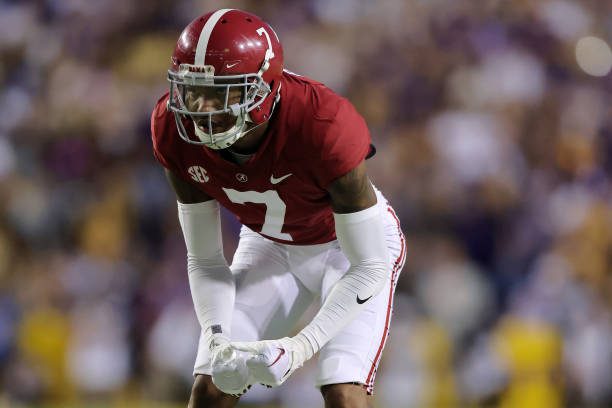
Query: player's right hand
[(271, 362), (229, 370)]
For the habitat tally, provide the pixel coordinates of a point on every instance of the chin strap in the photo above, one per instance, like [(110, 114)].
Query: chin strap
[(249, 120), (227, 138), (246, 132)]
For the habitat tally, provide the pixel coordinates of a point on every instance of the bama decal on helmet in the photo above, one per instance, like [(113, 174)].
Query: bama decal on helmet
[(204, 69)]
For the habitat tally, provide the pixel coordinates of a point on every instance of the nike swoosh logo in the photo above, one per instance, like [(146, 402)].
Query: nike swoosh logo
[(280, 354), (232, 65), (360, 301), (286, 372), (275, 180)]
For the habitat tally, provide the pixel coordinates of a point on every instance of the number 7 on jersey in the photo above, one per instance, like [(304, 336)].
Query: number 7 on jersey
[(275, 209)]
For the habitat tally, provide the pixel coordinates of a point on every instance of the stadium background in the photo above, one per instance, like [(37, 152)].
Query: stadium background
[(493, 124)]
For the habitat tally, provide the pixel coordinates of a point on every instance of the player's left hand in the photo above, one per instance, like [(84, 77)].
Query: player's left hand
[(271, 362)]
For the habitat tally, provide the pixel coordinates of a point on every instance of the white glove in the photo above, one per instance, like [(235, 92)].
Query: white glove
[(229, 370), (271, 362)]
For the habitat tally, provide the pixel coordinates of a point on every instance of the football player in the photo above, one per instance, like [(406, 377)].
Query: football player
[(287, 156)]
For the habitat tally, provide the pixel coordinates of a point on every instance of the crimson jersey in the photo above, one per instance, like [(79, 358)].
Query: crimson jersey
[(314, 137)]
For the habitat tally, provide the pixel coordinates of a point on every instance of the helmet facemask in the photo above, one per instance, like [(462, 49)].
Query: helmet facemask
[(218, 106)]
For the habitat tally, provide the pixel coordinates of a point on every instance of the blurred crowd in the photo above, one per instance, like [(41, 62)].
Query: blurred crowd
[(494, 146)]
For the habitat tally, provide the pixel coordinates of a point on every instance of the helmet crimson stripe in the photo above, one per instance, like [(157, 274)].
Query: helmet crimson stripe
[(205, 35)]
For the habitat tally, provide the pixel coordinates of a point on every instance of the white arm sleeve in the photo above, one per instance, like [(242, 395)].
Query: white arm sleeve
[(210, 279), (361, 237)]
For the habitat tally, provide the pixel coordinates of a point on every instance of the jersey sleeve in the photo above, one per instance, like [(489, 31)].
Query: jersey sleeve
[(345, 144), (160, 136)]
